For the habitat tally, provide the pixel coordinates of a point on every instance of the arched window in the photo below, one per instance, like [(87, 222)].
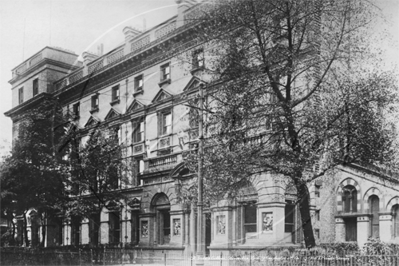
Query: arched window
[(349, 199), (374, 203), (395, 219)]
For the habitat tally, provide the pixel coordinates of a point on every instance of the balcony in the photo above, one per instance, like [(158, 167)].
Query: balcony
[(162, 163)]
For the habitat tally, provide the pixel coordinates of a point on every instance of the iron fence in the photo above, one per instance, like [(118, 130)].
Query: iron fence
[(100, 256)]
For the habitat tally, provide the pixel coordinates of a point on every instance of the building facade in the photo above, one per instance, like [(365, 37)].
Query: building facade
[(140, 90)]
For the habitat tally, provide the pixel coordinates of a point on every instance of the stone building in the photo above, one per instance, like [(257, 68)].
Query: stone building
[(140, 89)]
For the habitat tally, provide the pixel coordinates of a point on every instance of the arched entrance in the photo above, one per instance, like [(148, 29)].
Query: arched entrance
[(161, 206)]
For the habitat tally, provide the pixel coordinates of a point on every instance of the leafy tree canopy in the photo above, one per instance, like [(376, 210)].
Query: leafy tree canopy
[(293, 93)]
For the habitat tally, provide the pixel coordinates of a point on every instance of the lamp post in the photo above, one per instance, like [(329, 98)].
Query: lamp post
[(200, 229)]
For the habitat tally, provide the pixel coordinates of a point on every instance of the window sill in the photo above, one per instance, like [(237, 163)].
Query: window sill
[(138, 92), (163, 82), (114, 102), (94, 110)]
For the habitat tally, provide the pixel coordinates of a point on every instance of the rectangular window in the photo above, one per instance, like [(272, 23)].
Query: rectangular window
[(138, 83), (198, 58), (166, 123), (250, 218), (114, 228), (21, 95), (165, 72), (317, 213), (289, 214), (76, 109), (94, 102), (138, 130), (115, 93), (317, 233), (35, 87)]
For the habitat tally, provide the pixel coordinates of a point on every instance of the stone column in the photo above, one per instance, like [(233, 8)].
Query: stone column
[(223, 223), (339, 229), (385, 226), (363, 229), (271, 222), (146, 229)]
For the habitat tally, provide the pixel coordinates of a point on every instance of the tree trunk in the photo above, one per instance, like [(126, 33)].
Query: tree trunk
[(43, 219), (304, 208)]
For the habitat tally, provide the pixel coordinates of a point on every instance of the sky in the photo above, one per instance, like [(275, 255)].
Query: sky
[(27, 26)]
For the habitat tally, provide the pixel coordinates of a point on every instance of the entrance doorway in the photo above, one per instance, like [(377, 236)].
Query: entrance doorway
[(350, 229)]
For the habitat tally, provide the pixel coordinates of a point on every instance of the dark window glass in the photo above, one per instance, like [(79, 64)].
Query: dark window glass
[(349, 199), (250, 215), (115, 93), (21, 95), (165, 72), (94, 102), (114, 227), (138, 83), (374, 203), (395, 217), (76, 109), (35, 87), (138, 130), (289, 213)]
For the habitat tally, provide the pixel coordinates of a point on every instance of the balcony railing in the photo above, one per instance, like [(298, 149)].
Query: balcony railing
[(95, 66), (115, 56), (165, 30), (140, 43), (162, 161)]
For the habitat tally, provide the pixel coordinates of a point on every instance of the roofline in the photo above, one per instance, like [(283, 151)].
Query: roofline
[(46, 47)]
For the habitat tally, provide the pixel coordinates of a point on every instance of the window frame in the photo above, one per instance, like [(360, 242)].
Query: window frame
[(115, 93), (138, 136), (198, 59), (35, 87), (250, 207), (165, 75), (95, 102), (139, 83), (349, 199), (375, 218), (115, 232), (163, 123), (21, 95), (395, 221), (76, 109)]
